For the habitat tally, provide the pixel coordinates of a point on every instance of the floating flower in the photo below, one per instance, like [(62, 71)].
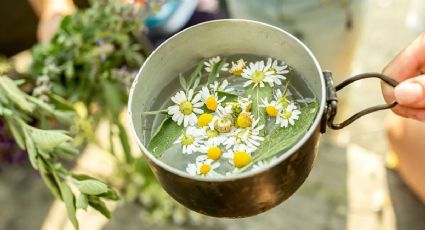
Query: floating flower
[(272, 108), (288, 116), (205, 119), (239, 158), (209, 65), (211, 100), (186, 108), (244, 120), (222, 121), (202, 167), (223, 87), (237, 68), (257, 74), (277, 70), (191, 140), (247, 137), (281, 98), (213, 151)]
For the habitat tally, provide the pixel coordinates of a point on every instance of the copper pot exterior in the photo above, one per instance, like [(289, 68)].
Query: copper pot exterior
[(249, 193), (247, 196)]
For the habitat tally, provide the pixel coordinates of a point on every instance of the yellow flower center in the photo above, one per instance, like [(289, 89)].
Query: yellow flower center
[(204, 119), (244, 120), (271, 111), (188, 139), (212, 133), (186, 107), (287, 115), (223, 125), (214, 153), (211, 103), (241, 159), (258, 76), (205, 168)]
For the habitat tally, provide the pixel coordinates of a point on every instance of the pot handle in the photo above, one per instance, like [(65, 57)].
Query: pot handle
[(332, 101)]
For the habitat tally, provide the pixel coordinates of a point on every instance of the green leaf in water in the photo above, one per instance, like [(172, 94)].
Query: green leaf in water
[(281, 139), (256, 94), (164, 138), (215, 70), (99, 205)]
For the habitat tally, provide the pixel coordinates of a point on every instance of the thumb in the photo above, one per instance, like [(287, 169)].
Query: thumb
[(411, 93)]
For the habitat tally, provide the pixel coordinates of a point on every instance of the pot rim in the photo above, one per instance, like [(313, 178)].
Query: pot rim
[(243, 175)]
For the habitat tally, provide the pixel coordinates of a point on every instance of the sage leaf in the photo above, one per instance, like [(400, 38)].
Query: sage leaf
[(91, 187), (49, 179), (165, 136), (15, 94), (48, 139), (82, 201), (99, 205), (31, 149), (110, 195), (281, 139), (16, 132), (69, 199), (122, 134), (256, 94)]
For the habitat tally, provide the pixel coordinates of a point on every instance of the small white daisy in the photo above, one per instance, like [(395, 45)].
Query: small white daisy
[(262, 164), (248, 137), (237, 67), (223, 87), (213, 151), (210, 100), (277, 70), (191, 140), (186, 107), (288, 116), (214, 137), (239, 157), (257, 74), (203, 167), (209, 65), (272, 108)]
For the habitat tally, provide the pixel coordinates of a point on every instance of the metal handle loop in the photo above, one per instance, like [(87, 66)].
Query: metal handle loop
[(332, 103)]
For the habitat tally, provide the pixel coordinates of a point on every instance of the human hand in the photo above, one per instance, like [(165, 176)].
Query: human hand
[(408, 67)]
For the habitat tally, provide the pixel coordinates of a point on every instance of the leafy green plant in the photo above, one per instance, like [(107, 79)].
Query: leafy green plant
[(47, 147)]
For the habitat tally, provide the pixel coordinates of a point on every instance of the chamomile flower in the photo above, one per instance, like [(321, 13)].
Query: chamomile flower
[(205, 119), (237, 67), (214, 137), (239, 157), (263, 164), (191, 140), (257, 74), (248, 137), (203, 167), (272, 108), (288, 116), (214, 152), (281, 99), (211, 100), (223, 87), (277, 70), (186, 107), (242, 104), (209, 65), (222, 121)]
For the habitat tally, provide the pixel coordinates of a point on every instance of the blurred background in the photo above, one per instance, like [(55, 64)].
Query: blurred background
[(354, 183)]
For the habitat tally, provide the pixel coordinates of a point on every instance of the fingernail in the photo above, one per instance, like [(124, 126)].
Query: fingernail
[(408, 93)]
